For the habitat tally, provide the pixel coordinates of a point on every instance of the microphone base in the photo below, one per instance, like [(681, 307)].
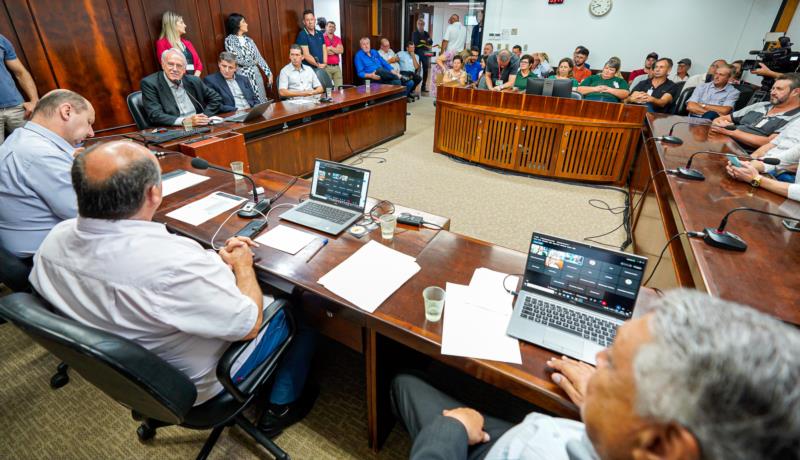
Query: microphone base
[(724, 240), (689, 174), (260, 208)]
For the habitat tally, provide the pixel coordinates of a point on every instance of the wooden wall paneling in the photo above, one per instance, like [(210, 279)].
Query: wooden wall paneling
[(291, 151), (355, 20), (391, 16), (29, 42)]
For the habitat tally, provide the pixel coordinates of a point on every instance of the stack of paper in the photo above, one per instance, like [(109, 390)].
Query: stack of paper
[(286, 239), (178, 180), (476, 318), (370, 275), (197, 212)]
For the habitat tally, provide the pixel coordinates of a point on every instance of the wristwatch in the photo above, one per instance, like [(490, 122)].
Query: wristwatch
[(703, 105), (756, 182)]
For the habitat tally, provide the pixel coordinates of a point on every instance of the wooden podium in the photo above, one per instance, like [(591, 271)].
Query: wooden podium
[(219, 149)]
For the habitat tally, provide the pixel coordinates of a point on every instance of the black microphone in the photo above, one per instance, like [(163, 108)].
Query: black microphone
[(719, 238), (697, 121), (666, 139), (687, 172), (247, 212)]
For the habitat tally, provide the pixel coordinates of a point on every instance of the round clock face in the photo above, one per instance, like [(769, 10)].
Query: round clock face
[(600, 7)]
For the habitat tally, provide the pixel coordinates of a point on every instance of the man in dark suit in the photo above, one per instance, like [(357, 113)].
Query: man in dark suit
[(170, 96), (235, 90)]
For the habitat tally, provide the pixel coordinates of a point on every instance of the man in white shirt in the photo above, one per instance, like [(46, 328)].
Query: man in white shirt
[(388, 54), (455, 37), (297, 80), (115, 269), (675, 384)]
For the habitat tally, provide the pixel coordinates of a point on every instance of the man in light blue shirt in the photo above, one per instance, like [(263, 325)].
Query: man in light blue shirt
[(715, 98), (409, 64), (35, 166), (370, 65)]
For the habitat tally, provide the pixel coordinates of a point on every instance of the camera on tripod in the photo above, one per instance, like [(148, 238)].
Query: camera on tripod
[(781, 60)]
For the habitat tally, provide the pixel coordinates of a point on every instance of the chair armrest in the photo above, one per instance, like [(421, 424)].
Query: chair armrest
[(263, 371)]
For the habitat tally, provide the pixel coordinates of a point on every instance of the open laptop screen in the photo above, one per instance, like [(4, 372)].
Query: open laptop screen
[(582, 275), (340, 185)]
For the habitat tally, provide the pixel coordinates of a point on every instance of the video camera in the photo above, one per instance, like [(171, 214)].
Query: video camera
[(781, 60)]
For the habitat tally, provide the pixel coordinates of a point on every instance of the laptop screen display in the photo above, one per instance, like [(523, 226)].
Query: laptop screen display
[(594, 278), (340, 185)]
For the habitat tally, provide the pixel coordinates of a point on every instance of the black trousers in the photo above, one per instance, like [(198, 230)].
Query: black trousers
[(417, 79), (425, 62), (417, 403)]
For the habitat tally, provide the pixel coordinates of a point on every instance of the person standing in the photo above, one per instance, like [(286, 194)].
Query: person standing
[(334, 50), (313, 44), (422, 46), (248, 58), (13, 108), (455, 37), (172, 29), (477, 31)]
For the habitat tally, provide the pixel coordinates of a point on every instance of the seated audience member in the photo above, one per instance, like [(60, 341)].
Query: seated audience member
[(715, 98), (581, 69), (759, 123), (488, 49), (564, 72), (649, 61), (169, 95), (736, 77), (696, 80), (409, 65), (658, 92), (35, 162), (617, 63), (456, 76), (370, 65), (172, 29), (675, 384), (13, 108), (443, 63), (473, 65), (785, 147), (648, 73), (542, 68), (388, 54), (517, 51), (234, 89), (750, 173), (501, 71), (605, 86), (297, 80), (682, 74), (115, 269), (525, 73)]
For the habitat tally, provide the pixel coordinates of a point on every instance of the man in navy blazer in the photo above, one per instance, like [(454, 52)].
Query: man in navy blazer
[(235, 89)]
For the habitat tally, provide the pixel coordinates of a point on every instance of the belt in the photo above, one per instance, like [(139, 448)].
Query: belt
[(333, 65)]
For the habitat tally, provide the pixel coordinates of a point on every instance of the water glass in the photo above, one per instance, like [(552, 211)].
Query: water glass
[(434, 303), (328, 92), (367, 82), (238, 167), (388, 224), (187, 123)]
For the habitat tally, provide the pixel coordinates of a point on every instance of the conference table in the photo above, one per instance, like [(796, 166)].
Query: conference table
[(443, 257), (767, 275)]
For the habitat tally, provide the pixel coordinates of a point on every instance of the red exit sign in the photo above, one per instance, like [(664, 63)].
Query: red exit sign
[(555, 2)]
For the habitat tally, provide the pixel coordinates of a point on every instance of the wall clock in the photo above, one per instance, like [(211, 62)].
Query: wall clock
[(600, 7)]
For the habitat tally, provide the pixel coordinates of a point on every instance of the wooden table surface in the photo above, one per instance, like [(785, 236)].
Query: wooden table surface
[(765, 276)]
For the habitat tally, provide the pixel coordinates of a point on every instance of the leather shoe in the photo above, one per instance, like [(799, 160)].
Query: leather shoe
[(279, 417)]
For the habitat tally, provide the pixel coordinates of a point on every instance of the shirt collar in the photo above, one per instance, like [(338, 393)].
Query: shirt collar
[(171, 83), (60, 142), (122, 226)]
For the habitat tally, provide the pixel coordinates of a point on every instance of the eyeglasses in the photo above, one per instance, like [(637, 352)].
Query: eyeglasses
[(381, 208)]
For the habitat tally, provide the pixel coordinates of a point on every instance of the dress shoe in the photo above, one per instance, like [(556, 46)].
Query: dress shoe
[(278, 417)]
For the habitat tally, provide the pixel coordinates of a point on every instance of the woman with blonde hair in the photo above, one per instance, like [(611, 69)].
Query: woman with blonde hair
[(172, 27), (542, 66)]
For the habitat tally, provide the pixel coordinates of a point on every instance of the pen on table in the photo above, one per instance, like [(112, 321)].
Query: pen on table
[(324, 242)]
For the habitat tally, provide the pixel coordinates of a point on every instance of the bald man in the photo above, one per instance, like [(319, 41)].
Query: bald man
[(115, 269), (35, 162)]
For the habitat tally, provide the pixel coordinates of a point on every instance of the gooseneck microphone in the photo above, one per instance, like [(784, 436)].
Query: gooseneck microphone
[(719, 238), (696, 121), (687, 172), (666, 139), (248, 212)]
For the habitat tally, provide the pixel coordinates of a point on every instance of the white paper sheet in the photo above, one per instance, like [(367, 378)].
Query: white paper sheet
[(286, 239), (487, 291), (199, 211), (369, 276), (180, 181), (473, 331), (301, 100)]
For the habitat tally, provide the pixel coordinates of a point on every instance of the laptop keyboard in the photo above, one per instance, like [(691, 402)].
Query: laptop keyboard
[(599, 331), (328, 213)]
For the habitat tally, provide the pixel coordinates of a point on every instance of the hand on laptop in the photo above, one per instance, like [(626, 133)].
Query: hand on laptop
[(572, 376)]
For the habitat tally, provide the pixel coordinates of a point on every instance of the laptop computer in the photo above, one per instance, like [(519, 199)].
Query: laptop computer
[(338, 197), (574, 296), (250, 115)]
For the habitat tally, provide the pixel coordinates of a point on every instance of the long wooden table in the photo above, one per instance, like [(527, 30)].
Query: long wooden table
[(544, 136), (765, 276)]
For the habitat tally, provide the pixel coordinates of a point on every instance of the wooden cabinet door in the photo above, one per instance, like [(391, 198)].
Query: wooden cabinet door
[(593, 153), (458, 132), (537, 147), (499, 142)]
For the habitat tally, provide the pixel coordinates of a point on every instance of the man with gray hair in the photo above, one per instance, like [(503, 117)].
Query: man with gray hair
[(234, 89), (501, 71), (170, 95), (35, 162), (695, 378)]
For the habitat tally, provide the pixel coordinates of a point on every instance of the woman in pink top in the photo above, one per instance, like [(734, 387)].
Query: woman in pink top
[(172, 27)]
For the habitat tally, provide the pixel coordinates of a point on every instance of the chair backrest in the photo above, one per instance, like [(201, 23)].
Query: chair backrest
[(324, 78), (746, 91), (13, 272), (680, 104), (136, 108), (576, 95), (122, 369)]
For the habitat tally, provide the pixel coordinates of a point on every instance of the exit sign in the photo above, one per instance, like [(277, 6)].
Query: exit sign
[(555, 2)]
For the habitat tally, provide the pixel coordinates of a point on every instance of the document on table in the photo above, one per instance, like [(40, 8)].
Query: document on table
[(488, 291), (369, 276), (175, 181), (475, 329), (286, 239), (200, 211)]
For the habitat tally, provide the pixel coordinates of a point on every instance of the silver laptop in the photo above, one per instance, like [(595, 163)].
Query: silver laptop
[(574, 296), (250, 115), (338, 197)]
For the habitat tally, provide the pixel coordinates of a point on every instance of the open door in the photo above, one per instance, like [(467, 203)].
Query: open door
[(415, 12)]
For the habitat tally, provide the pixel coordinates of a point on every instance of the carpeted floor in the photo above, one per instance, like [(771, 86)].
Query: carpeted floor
[(79, 422)]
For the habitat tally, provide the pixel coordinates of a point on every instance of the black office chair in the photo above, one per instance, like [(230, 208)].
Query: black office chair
[(157, 393), (683, 99), (746, 91), (136, 108), (14, 272), (325, 80)]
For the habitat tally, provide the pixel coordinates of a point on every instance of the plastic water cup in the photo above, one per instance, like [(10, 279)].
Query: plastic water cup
[(388, 224), (367, 82), (238, 167), (328, 92), (434, 303), (187, 123)]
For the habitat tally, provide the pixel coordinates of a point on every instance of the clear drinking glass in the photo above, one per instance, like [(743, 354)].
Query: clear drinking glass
[(238, 167), (367, 82), (434, 303), (388, 224), (187, 123), (328, 92)]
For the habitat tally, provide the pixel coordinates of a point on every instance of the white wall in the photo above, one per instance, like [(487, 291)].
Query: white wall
[(702, 30), (329, 9), (794, 30)]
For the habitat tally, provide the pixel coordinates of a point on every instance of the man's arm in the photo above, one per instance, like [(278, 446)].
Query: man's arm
[(308, 57), (663, 101), (210, 83), (25, 82), (238, 256), (152, 105), (753, 140), (761, 151), (748, 172)]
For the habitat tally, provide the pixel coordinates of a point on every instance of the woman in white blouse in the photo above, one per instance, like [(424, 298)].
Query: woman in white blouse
[(248, 58)]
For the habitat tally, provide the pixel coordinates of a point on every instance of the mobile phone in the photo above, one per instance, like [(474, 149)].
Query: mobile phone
[(734, 160)]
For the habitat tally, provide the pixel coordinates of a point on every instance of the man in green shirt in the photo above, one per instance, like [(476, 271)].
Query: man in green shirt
[(605, 86)]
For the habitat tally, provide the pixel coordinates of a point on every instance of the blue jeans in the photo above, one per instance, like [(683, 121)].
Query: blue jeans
[(785, 177), (290, 377)]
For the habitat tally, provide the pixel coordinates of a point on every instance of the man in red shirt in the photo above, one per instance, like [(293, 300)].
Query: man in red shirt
[(333, 45), (581, 69), (648, 64)]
